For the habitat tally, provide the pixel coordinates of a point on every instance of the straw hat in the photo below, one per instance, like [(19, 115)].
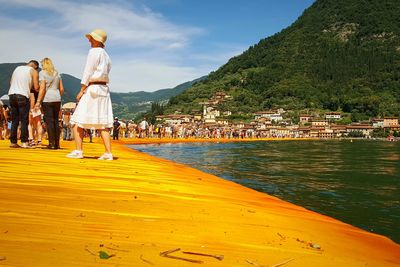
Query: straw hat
[(99, 35)]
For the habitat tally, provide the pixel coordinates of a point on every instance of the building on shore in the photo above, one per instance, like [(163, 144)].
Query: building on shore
[(305, 118), (175, 119), (317, 123), (365, 129), (210, 107), (339, 130), (378, 123), (272, 115), (390, 121), (332, 116), (210, 113)]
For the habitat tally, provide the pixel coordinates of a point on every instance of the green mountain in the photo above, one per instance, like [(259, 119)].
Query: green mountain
[(72, 85), (126, 105), (6, 71), (338, 55)]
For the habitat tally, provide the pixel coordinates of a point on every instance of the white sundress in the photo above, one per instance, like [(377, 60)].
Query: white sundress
[(94, 110)]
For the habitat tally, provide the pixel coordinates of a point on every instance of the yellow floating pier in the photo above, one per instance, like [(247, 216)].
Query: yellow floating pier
[(56, 211)]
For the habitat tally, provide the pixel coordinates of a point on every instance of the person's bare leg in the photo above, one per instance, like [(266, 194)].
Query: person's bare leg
[(39, 129), (78, 137), (30, 127), (105, 135)]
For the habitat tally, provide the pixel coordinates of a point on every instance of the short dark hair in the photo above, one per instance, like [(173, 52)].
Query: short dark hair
[(34, 62)]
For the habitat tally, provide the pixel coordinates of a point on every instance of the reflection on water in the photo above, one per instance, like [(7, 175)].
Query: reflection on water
[(358, 182)]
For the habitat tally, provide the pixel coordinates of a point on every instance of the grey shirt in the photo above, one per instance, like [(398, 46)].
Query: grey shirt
[(52, 86)]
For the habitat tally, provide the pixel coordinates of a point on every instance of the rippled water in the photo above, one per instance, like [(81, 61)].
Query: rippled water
[(356, 182)]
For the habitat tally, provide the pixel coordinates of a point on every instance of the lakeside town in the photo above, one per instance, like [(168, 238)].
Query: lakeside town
[(213, 123)]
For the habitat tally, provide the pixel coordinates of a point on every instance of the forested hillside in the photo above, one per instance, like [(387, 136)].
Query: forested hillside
[(339, 55)]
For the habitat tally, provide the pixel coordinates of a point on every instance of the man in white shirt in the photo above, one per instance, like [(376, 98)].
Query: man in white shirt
[(143, 126), (22, 100)]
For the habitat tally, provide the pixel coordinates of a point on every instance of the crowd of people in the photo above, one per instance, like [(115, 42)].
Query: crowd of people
[(27, 92), (35, 103), (144, 129), (5, 123)]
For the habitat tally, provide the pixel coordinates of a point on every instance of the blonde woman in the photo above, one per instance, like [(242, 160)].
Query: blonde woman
[(51, 89), (94, 110)]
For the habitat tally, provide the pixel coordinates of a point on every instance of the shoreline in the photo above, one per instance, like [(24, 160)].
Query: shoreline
[(143, 141), (155, 140), (54, 210)]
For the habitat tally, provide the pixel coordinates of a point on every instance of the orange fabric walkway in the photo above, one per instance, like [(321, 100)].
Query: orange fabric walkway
[(56, 211)]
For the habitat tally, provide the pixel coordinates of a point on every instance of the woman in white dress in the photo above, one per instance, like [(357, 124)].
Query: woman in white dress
[(94, 110)]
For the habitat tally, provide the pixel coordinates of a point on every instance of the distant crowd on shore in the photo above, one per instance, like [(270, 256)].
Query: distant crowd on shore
[(144, 129)]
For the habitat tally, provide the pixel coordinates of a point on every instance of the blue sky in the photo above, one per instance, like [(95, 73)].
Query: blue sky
[(154, 44)]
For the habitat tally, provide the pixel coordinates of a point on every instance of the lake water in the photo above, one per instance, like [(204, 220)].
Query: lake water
[(356, 182)]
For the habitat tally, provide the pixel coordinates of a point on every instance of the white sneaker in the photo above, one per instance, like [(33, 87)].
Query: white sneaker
[(106, 156), (76, 154), (25, 145)]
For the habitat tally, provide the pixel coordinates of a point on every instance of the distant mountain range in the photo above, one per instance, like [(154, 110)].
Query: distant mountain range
[(126, 105), (340, 55)]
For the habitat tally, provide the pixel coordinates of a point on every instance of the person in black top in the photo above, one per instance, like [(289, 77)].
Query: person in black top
[(116, 127)]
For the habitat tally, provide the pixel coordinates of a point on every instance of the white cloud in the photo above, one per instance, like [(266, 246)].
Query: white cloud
[(131, 26), (148, 51), (20, 44), (150, 76)]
